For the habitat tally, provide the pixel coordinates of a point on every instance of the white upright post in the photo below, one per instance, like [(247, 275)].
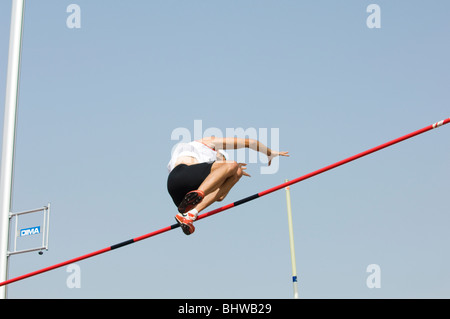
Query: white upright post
[(291, 241), (9, 133)]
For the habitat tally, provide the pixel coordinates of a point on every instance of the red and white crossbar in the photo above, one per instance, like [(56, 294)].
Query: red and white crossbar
[(237, 203)]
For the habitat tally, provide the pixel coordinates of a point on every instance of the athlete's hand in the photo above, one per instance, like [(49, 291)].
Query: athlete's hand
[(243, 167), (274, 154)]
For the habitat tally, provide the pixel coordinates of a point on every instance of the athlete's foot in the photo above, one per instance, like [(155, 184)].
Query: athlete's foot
[(186, 222), (191, 200)]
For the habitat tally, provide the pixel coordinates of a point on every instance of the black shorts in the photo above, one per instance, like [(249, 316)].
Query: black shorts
[(185, 178)]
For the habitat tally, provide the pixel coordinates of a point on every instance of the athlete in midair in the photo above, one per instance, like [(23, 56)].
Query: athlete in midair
[(201, 174)]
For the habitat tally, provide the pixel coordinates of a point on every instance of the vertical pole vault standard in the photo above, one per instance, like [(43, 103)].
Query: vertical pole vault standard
[(9, 133), (226, 207), (291, 241)]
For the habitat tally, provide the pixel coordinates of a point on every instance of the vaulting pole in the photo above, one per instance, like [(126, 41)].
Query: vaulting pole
[(9, 133), (239, 202), (291, 241)]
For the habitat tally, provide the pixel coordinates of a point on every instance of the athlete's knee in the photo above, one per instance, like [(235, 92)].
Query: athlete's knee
[(232, 167)]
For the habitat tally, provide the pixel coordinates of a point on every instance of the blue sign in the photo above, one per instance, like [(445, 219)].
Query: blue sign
[(30, 231)]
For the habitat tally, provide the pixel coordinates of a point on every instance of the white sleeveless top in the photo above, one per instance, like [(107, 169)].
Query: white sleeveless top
[(201, 152)]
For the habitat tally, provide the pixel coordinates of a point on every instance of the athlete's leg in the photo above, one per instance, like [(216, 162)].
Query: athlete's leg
[(223, 176), (221, 192), (220, 172)]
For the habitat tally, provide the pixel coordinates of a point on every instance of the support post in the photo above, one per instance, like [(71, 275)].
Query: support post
[(9, 133)]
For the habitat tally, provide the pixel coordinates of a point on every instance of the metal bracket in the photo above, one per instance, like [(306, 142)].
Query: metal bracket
[(44, 231)]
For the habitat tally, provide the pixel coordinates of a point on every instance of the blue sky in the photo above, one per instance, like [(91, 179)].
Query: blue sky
[(98, 105)]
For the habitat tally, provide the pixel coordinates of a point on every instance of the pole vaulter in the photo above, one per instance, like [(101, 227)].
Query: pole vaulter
[(231, 205)]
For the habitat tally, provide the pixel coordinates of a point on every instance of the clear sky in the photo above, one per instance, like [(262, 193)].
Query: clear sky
[(98, 106)]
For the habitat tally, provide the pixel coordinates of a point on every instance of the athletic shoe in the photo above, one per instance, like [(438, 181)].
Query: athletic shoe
[(186, 222), (191, 200)]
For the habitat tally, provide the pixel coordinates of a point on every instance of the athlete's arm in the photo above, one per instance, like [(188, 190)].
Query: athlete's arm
[(236, 143)]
